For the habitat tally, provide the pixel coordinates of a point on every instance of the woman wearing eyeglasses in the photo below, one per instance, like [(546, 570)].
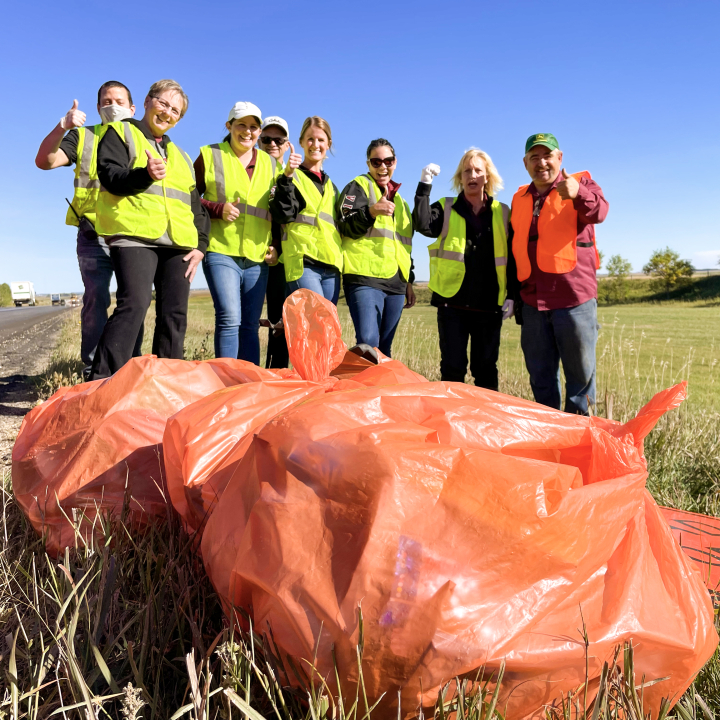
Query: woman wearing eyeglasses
[(274, 141), (377, 228), (304, 202), (235, 180), (151, 216), (472, 276)]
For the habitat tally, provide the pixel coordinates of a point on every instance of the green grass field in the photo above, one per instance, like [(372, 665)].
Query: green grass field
[(642, 348)]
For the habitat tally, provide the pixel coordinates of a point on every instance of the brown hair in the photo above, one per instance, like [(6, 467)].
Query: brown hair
[(162, 85), (111, 84), (317, 122)]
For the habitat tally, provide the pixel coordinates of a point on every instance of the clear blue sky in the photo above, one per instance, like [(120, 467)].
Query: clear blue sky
[(630, 89)]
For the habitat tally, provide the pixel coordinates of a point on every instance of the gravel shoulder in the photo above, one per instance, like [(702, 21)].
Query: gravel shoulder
[(25, 350)]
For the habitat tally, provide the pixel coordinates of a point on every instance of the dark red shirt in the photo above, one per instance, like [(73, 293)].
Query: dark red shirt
[(215, 209), (553, 291)]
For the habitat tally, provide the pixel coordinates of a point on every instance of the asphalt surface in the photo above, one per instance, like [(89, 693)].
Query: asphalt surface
[(28, 335), (13, 320)]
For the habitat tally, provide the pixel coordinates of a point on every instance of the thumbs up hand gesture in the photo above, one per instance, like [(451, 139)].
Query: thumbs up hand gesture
[(293, 162), (568, 188), (73, 118), (383, 206), (230, 211), (155, 166)]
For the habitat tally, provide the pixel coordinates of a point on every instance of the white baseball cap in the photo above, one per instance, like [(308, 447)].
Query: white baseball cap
[(244, 109), (275, 120)]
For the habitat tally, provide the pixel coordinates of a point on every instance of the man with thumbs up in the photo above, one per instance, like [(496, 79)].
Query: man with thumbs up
[(553, 241), (71, 142)]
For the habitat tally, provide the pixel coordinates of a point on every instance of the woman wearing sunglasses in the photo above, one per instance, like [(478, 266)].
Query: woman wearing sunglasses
[(235, 180), (471, 274), (274, 141), (377, 228), (304, 202)]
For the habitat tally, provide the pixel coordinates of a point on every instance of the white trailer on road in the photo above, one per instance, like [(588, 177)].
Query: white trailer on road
[(23, 293)]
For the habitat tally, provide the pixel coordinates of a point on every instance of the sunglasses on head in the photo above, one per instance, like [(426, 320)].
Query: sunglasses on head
[(377, 162), (267, 140)]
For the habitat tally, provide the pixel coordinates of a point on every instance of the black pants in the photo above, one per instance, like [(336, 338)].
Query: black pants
[(455, 327), (277, 349), (136, 270)]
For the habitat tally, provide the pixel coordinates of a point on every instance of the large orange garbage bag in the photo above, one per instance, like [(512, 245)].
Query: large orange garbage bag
[(91, 447), (205, 442), (471, 527), (699, 536)]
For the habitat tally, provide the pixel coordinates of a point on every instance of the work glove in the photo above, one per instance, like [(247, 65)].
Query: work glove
[(508, 309), (429, 172)]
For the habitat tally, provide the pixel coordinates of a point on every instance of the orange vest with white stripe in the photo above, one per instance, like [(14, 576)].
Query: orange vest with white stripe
[(557, 232)]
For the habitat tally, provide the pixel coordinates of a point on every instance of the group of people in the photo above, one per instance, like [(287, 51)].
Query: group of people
[(264, 225)]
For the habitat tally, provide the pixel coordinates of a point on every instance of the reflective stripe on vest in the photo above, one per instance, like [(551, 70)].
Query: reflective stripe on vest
[(557, 232), (226, 181), (86, 184), (387, 245), (447, 266), (164, 207), (313, 233)]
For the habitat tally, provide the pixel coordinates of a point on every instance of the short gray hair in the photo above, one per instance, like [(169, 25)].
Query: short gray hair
[(161, 86)]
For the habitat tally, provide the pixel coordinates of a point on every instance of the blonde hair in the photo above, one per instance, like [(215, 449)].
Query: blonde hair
[(161, 86), (317, 122), (493, 182)]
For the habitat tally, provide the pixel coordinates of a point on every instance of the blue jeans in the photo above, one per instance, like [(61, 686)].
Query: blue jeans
[(375, 315), (96, 271), (237, 286), (323, 281), (568, 335)]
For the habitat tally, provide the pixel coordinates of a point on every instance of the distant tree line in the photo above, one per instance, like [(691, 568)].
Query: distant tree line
[(665, 266)]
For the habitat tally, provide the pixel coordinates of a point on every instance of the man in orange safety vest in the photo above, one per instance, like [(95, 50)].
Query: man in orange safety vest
[(553, 241)]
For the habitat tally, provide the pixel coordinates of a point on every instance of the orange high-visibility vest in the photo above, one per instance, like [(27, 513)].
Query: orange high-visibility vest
[(557, 232)]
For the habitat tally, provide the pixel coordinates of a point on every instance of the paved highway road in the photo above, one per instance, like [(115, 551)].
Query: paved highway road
[(14, 319)]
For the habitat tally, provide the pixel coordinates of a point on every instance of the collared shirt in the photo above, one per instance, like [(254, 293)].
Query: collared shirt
[(552, 291)]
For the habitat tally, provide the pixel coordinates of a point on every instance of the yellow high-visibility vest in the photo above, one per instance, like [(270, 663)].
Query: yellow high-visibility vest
[(387, 244), (226, 180), (87, 185), (447, 253), (313, 233), (165, 206)]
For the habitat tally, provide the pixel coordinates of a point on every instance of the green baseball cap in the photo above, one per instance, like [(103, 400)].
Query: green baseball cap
[(546, 139)]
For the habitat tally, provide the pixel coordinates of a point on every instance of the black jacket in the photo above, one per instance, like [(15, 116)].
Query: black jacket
[(287, 202), (479, 289), (354, 220), (118, 178)]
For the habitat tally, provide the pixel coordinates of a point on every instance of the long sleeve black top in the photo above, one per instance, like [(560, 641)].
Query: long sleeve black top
[(118, 178), (287, 202), (354, 220), (479, 289)]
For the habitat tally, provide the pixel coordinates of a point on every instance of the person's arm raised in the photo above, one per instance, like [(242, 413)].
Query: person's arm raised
[(427, 218), (49, 155)]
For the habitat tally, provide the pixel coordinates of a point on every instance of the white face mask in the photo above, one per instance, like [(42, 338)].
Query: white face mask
[(114, 113)]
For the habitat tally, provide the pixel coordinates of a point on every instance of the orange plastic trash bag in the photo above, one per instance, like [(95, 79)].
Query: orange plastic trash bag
[(313, 333), (205, 442), (699, 536), (92, 447), (471, 527)]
